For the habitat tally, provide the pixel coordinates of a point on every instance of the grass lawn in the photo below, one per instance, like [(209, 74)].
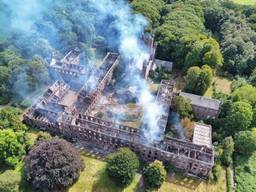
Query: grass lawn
[(95, 179), (222, 85), (245, 2), (186, 184)]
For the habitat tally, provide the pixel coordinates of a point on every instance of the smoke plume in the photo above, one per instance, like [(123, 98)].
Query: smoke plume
[(130, 27), (111, 19)]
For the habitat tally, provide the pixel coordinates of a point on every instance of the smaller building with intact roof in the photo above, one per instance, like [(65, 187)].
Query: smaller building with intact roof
[(203, 107)]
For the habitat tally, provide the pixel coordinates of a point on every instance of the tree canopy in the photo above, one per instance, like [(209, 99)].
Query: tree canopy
[(122, 165), (182, 24), (154, 175), (182, 106), (9, 181), (198, 79), (239, 117), (246, 93), (10, 119), (151, 9), (204, 51), (238, 45), (245, 142), (11, 149), (58, 163), (228, 149)]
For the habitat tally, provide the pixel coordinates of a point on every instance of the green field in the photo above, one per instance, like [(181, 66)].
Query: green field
[(186, 184), (95, 179), (245, 2)]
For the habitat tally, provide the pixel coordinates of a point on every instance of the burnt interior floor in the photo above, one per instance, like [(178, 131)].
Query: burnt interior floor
[(82, 115)]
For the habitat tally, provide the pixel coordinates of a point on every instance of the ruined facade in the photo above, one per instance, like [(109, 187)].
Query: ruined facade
[(65, 111)]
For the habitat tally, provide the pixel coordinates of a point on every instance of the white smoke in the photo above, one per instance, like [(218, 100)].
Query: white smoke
[(25, 12), (130, 27)]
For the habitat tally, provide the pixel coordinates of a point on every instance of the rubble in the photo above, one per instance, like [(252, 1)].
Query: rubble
[(66, 112)]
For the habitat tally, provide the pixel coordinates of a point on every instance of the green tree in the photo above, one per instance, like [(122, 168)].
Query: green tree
[(182, 25), (122, 165), (11, 150), (228, 149), (216, 171), (9, 181), (239, 117), (252, 78), (191, 78), (254, 118), (238, 82), (215, 16), (154, 175), (198, 79), (58, 163), (43, 136), (205, 51), (182, 106), (238, 45), (5, 85), (10, 119), (246, 93), (245, 142), (204, 80), (159, 74), (150, 9)]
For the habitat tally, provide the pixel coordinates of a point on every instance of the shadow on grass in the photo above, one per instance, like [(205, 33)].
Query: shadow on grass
[(104, 183), (184, 181), (3, 168)]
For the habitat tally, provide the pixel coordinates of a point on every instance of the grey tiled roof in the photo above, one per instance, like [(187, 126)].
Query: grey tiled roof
[(202, 101)]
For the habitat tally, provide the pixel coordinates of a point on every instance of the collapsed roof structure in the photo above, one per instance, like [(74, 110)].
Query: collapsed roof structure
[(66, 111)]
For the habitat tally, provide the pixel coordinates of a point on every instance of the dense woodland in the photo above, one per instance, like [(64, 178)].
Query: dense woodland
[(203, 38)]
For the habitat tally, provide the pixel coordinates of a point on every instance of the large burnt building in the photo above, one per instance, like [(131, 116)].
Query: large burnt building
[(65, 110)]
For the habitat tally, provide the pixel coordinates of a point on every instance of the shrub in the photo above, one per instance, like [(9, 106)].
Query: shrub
[(10, 119), (9, 181), (188, 125), (229, 180), (122, 165), (53, 165), (245, 142), (154, 175), (239, 118), (11, 150), (216, 173), (182, 106), (43, 136), (4, 100), (228, 149)]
